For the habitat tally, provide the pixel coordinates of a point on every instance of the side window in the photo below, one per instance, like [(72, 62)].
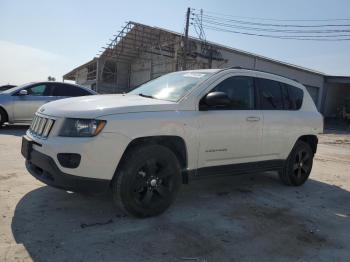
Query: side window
[(69, 90), (39, 90), (240, 90), (270, 94), (61, 90), (297, 96), (289, 103), (76, 91)]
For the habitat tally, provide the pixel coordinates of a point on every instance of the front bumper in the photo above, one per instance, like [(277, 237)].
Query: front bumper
[(44, 168), (99, 155)]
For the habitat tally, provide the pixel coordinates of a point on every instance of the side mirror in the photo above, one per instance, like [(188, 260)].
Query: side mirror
[(23, 92), (217, 99)]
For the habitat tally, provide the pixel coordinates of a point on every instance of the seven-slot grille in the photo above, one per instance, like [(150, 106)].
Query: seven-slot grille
[(41, 126)]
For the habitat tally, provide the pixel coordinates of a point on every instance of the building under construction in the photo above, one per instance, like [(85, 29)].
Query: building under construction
[(139, 53)]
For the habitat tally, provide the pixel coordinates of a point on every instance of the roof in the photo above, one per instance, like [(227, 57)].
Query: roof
[(70, 75), (125, 36), (338, 79), (211, 70)]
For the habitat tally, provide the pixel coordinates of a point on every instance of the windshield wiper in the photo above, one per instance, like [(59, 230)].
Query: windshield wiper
[(148, 96)]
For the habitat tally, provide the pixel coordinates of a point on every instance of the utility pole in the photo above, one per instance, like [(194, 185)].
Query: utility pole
[(211, 57), (186, 38), (201, 35), (97, 74)]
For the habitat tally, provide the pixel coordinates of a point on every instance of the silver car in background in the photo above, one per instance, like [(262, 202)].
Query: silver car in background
[(18, 104)]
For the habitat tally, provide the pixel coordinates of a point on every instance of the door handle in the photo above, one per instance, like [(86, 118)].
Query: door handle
[(253, 118)]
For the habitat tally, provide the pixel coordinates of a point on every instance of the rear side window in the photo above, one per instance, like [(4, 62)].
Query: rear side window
[(296, 95), (68, 90), (292, 96), (240, 89), (271, 97), (289, 103)]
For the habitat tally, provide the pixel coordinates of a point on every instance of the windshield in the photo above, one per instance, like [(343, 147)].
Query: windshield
[(171, 87)]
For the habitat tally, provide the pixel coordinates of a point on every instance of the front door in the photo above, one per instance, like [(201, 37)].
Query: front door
[(231, 134), (25, 106)]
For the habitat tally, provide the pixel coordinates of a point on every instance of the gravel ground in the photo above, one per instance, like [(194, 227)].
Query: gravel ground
[(238, 218)]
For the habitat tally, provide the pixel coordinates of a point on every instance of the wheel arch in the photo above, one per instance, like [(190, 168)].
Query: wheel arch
[(311, 140), (174, 143), (6, 114)]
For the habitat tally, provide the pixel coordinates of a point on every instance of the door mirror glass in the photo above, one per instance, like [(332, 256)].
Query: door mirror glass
[(23, 92), (217, 99)]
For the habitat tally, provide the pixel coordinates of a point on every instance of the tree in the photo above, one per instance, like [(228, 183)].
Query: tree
[(51, 78)]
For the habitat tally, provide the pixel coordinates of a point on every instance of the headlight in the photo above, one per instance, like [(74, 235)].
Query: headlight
[(73, 127)]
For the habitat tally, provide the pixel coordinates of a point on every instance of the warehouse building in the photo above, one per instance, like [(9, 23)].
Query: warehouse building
[(139, 53)]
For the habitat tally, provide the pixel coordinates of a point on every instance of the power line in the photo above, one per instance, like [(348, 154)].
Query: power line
[(274, 24), (300, 31), (281, 20), (198, 21), (275, 36), (296, 31)]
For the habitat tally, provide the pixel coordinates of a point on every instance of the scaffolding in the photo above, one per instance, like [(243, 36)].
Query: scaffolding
[(138, 53)]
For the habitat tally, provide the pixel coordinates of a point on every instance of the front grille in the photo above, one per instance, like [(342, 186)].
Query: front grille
[(41, 126)]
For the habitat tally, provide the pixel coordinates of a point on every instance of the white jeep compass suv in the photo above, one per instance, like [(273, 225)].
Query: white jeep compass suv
[(144, 144)]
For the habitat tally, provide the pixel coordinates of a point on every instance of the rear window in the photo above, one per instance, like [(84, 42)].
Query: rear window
[(295, 99), (289, 103), (270, 94), (276, 95)]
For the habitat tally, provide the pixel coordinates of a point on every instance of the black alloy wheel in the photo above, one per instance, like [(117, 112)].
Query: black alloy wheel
[(153, 183), (298, 165), (147, 181), (302, 164)]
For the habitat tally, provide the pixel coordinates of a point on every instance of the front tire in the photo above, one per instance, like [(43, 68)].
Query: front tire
[(298, 165), (147, 181), (3, 117)]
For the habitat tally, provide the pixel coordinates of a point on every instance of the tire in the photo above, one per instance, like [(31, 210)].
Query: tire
[(147, 181), (298, 165), (3, 117)]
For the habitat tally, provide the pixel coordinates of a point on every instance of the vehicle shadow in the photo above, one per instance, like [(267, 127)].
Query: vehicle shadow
[(13, 130), (223, 219)]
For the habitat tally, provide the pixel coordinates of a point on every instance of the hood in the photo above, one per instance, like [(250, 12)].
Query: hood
[(3, 95), (100, 105)]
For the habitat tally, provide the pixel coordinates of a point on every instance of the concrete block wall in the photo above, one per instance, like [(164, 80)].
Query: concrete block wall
[(149, 66)]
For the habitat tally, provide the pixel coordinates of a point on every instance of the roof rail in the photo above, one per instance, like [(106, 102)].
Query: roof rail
[(262, 71)]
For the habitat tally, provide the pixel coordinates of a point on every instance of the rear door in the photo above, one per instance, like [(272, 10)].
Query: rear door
[(231, 134), (25, 106), (277, 118)]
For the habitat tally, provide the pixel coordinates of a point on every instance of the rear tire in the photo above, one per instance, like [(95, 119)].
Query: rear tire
[(298, 165), (147, 181)]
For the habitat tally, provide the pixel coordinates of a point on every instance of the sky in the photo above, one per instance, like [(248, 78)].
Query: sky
[(49, 38)]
